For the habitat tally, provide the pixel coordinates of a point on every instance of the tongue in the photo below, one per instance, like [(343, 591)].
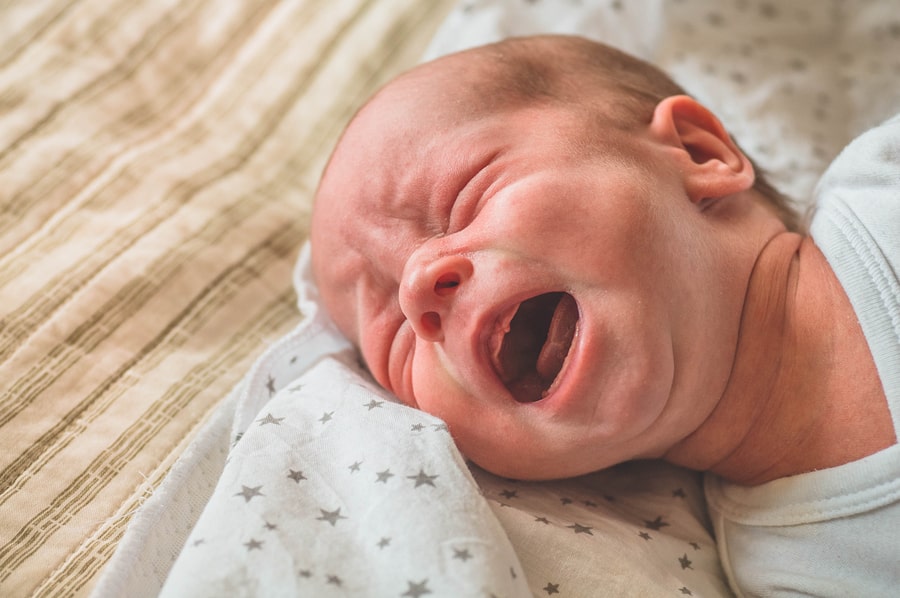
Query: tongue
[(559, 338)]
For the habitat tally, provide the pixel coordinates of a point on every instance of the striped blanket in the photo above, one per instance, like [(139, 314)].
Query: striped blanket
[(157, 162)]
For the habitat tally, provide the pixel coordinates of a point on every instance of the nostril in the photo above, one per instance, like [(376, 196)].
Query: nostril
[(431, 323), (445, 284)]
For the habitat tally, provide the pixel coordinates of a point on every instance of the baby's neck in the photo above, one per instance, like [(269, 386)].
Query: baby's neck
[(804, 393)]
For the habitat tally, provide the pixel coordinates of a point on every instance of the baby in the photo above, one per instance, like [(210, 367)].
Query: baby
[(547, 244)]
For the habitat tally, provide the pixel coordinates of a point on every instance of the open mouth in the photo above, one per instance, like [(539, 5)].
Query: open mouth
[(535, 344)]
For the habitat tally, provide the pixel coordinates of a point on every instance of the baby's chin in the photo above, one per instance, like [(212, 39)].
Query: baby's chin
[(526, 465)]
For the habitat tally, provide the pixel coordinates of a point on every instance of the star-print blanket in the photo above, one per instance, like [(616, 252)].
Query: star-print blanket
[(332, 488), (335, 490)]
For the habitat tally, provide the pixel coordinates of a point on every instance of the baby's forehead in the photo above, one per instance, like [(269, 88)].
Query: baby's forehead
[(400, 154)]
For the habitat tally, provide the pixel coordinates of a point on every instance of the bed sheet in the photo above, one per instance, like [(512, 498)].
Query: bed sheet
[(157, 161)]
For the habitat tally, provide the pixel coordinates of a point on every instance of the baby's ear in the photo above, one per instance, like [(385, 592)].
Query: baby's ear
[(712, 164)]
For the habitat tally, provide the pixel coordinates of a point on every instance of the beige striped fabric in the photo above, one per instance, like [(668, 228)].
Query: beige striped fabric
[(157, 162)]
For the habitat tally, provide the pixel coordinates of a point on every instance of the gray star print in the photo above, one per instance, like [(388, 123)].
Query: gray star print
[(657, 524), (417, 589), (383, 476), (422, 478), (270, 419), (249, 493), (581, 529), (326, 416), (331, 516)]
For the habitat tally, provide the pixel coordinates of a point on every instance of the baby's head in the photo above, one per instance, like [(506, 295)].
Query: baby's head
[(546, 244)]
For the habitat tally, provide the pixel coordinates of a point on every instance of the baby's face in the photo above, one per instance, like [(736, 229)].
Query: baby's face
[(562, 309)]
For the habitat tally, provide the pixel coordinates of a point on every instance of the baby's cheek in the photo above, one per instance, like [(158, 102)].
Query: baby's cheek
[(437, 388)]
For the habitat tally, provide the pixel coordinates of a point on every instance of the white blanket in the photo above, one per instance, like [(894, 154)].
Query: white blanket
[(312, 481), (331, 487)]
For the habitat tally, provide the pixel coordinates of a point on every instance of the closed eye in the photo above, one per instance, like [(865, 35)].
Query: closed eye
[(467, 203)]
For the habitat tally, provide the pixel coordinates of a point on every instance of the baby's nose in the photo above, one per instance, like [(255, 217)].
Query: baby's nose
[(429, 289)]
